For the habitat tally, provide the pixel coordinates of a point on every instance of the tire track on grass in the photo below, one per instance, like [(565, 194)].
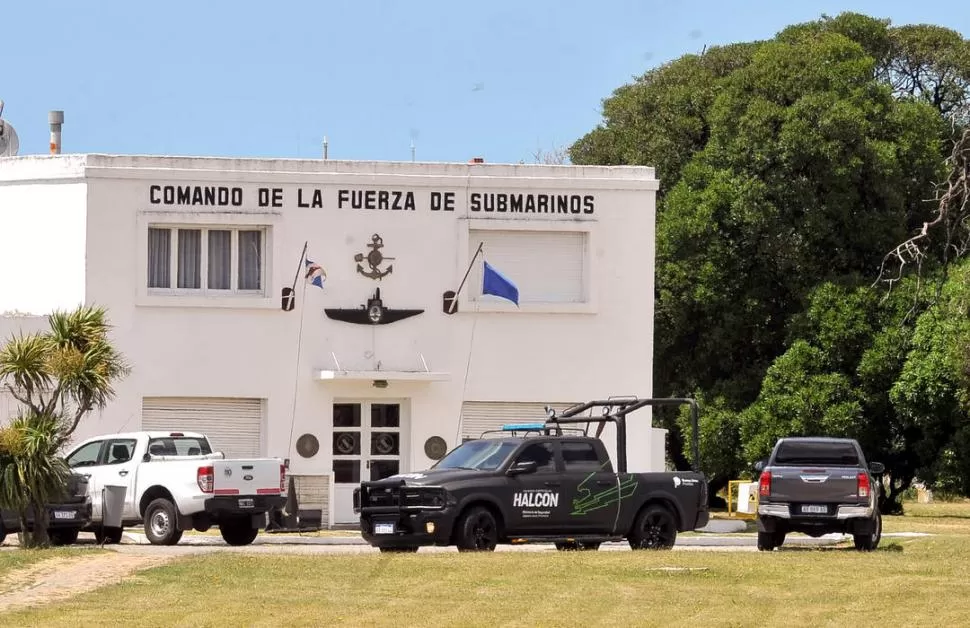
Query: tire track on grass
[(57, 579)]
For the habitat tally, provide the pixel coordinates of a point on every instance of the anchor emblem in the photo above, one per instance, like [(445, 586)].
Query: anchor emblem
[(374, 260)]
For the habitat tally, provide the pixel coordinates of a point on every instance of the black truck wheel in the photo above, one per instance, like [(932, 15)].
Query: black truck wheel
[(161, 523), (238, 532), (654, 528), (65, 536), (869, 542), (477, 531)]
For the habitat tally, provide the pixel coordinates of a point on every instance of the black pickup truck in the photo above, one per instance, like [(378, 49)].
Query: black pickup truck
[(818, 486), (536, 483), (65, 517)]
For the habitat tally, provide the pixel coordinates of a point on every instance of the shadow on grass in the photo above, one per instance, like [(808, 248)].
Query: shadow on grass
[(883, 547)]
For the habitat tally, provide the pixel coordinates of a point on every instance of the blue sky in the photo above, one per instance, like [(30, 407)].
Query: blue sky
[(497, 79)]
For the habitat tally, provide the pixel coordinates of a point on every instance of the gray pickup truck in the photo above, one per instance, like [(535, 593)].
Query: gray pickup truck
[(818, 486)]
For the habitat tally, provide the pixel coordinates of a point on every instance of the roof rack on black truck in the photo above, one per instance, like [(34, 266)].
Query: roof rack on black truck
[(549, 484)]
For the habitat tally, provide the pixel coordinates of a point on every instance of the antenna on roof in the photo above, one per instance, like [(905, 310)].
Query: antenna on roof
[(55, 119), (9, 142), (325, 145)]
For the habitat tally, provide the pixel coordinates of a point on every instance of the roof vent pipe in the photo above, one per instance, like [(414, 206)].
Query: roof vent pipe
[(56, 119)]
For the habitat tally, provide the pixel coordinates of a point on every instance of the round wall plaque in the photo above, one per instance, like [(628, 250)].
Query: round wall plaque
[(435, 448), (307, 445)]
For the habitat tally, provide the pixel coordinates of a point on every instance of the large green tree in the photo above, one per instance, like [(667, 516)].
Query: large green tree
[(784, 164), (59, 376)]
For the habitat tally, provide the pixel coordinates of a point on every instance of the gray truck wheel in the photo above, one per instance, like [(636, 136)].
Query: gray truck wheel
[(869, 542), (161, 523), (477, 531), (654, 528), (768, 541)]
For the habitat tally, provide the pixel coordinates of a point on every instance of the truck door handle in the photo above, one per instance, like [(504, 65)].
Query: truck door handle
[(122, 473), (552, 483)]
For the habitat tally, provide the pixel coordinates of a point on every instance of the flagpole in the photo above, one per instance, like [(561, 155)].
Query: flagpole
[(299, 265), (299, 352), (454, 302)]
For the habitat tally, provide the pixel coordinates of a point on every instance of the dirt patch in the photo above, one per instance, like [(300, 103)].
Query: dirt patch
[(60, 578)]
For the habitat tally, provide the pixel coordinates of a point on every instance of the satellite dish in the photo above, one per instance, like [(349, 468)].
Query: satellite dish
[(9, 142)]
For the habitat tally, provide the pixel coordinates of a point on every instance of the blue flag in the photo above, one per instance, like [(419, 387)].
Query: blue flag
[(497, 284)]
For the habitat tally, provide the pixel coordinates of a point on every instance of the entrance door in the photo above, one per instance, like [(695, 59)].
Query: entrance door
[(367, 445)]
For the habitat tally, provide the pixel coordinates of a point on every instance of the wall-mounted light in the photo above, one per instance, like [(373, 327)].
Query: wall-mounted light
[(380, 383)]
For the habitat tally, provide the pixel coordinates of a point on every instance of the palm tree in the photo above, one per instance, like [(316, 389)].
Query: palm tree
[(58, 376), (32, 474)]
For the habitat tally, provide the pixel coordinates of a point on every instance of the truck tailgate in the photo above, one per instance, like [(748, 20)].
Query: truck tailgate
[(247, 477), (814, 485)]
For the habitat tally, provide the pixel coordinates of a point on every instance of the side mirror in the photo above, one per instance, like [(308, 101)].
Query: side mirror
[(760, 465), (146, 458), (877, 468), (528, 466)]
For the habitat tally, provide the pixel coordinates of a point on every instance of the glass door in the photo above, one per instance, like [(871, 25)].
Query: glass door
[(366, 445)]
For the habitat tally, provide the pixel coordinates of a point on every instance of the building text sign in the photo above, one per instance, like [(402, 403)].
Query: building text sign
[(349, 198)]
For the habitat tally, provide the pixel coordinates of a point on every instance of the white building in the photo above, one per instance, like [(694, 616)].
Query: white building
[(191, 255)]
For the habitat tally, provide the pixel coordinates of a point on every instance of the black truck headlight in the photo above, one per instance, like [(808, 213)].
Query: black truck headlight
[(424, 498)]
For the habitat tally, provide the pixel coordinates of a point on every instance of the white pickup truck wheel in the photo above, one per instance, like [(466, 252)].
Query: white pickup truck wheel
[(238, 532), (161, 523)]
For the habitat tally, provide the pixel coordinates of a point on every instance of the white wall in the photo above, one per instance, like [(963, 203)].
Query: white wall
[(42, 246), (248, 347)]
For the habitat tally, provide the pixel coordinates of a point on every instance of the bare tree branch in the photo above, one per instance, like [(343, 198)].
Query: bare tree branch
[(953, 214), (558, 156)]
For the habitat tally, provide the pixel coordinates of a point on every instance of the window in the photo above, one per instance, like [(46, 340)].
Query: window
[(819, 454), (485, 455), (210, 260), (579, 456), (541, 454), (179, 446), (545, 266), (120, 451), (86, 456)]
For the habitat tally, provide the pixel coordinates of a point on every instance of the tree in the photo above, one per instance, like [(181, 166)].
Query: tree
[(59, 376), (784, 164)]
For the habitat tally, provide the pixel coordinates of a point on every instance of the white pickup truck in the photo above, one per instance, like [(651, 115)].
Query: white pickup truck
[(175, 482)]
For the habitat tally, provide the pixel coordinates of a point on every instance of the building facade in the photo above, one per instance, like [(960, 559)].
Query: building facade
[(369, 370)]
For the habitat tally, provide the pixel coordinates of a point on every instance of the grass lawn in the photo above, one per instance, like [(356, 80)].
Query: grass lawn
[(13, 557), (908, 581)]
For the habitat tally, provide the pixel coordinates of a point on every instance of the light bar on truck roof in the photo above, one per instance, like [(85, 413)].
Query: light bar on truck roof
[(514, 427)]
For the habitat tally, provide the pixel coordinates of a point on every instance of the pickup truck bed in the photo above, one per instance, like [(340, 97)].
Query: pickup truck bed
[(818, 486)]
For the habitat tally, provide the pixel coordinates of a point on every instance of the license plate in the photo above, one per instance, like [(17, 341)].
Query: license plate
[(246, 503), (811, 508), (64, 514), (383, 528)]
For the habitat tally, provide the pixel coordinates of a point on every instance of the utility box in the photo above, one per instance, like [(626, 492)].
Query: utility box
[(112, 505), (748, 498)]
